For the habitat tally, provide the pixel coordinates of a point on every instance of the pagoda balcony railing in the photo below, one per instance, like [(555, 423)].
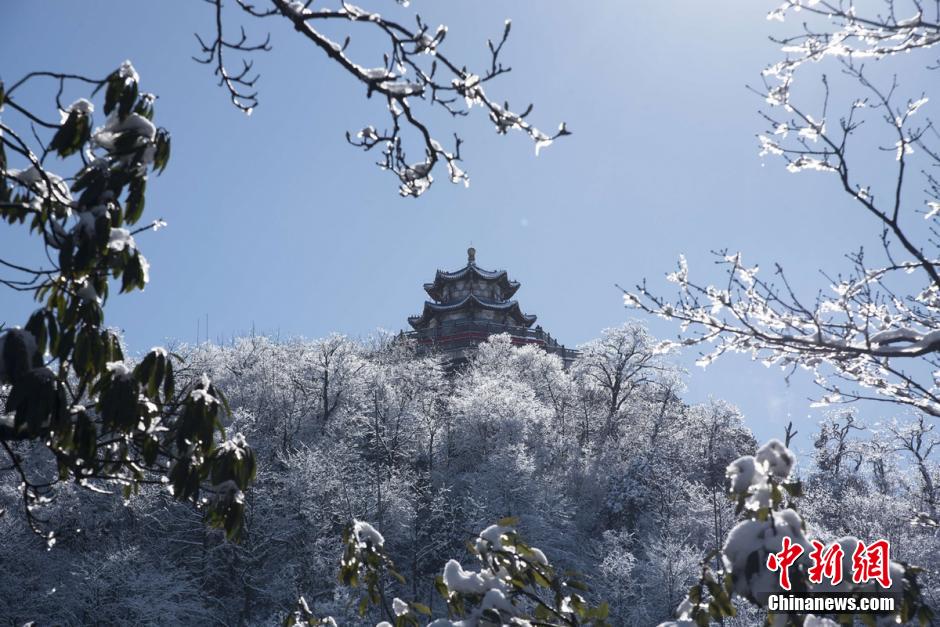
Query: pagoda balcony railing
[(466, 333)]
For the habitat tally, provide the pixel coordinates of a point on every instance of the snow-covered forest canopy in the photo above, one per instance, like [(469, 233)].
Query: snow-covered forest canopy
[(341, 481), (624, 485)]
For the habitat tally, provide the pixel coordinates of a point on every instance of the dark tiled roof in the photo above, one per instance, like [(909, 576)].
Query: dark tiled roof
[(443, 277), (471, 302)]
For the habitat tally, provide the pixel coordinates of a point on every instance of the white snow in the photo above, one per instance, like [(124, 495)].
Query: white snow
[(354, 12), (539, 556), (399, 607), (681, 276), (376, 73), (741, 472), (368, 133), (121, 239), (202, 395), (495, 600), (82, 106), (768, 146), (492, 535), (763, 538), (912, 107), (144, 267), (297, 7), (236, 445), (541, 141), (469, 87), (35, 180), (776, 459), (903, 148), (465, 582), (128, 73), (366, 533), (87, 292), (118, 368), (107, 135), (808, 163), (402, 88)]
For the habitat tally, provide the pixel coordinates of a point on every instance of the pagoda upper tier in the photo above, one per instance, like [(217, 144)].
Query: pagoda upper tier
[(471, 293)]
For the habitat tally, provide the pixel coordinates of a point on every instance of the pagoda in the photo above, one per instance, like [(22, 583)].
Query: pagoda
[(469, 305)]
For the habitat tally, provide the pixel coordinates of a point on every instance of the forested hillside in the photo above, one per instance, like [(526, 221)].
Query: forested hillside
[(605, 467)]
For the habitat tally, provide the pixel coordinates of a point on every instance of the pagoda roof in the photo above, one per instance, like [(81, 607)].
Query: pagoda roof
[(443, 277), (471, 302)]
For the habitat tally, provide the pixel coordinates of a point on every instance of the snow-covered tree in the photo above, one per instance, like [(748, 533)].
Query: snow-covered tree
[(623, 361), (74, 408), (428, 457), (874, 331)]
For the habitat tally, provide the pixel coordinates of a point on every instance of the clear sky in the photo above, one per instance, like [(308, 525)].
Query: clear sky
[(275, 222)]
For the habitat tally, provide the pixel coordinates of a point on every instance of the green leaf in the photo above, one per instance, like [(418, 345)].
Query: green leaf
[(162, 154), (150, 449), (169, 382), (118, 404), (128, 98), (134, 204), (81, 357), (133, 275), (441, 587), (113, 92), (144, 108), (72, 134), (37, 327)]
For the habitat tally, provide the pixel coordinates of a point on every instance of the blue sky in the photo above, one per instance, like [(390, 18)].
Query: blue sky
[(275, 222)]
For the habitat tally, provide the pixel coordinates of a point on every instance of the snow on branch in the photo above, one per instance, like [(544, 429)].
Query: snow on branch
[(414, 71), (873, 333), (852, 30), (854, 334)]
